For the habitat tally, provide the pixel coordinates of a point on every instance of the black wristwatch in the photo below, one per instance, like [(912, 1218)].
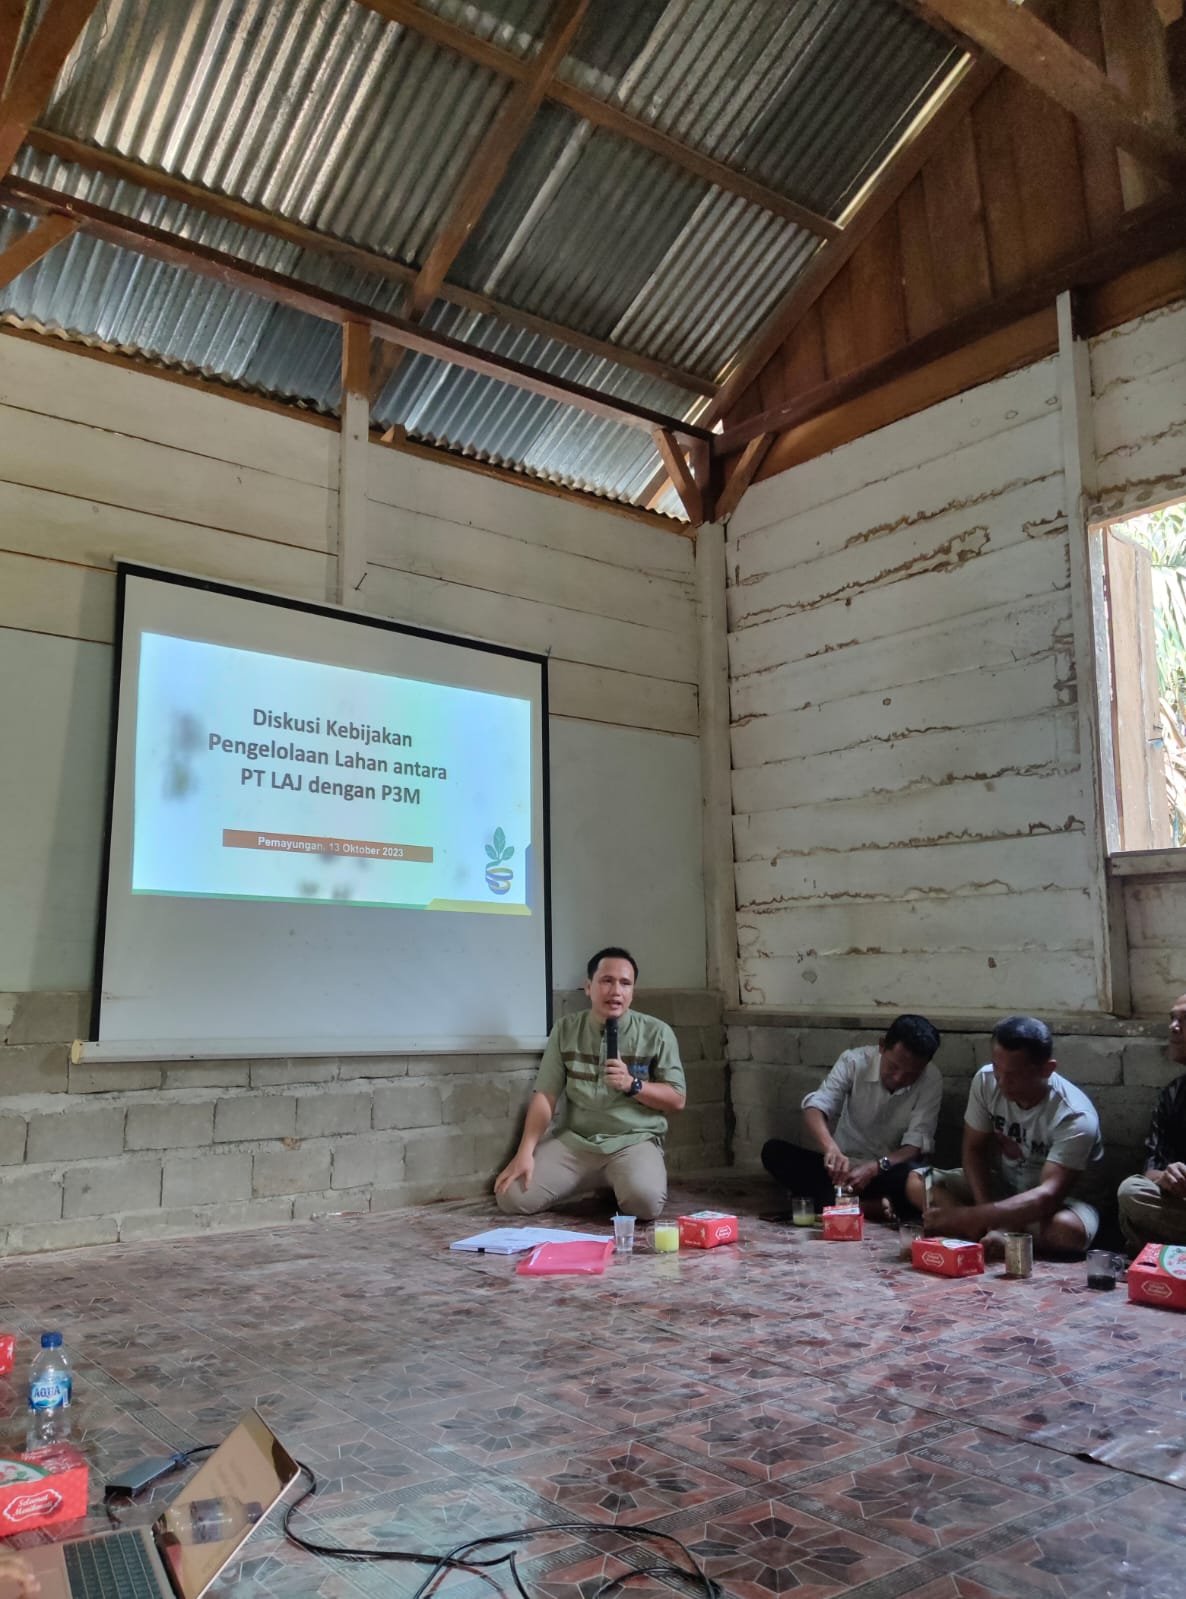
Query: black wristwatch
[(635, 1088), (884, 1163)]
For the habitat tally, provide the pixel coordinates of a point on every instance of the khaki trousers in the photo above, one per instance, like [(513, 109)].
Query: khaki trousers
[(637, 1175), (1147, 1216)]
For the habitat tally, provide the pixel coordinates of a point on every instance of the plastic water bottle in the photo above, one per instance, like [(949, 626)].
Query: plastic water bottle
[(51, 1388), (212, 1520)]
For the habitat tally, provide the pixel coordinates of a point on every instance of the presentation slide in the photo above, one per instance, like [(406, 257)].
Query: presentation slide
[(263, 777), (295, 791)]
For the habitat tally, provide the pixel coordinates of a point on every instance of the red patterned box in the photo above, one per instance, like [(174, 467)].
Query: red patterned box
[(843, 1222), (947, 1257), (705, 1229), (41, 1488), (1158, 1276)]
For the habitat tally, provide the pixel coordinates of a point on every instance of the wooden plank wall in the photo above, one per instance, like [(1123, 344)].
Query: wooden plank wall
[(1017, 187), (1139, 380), (908, 802), (97, 462)]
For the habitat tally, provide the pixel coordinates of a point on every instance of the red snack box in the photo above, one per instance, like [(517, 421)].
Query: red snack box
[(705, 1229), (843, 1222), (947, 1257), (41, 1488), (1158, 1276)]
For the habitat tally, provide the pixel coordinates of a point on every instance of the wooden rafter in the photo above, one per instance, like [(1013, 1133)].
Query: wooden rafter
[(11, 13), (1146, 235), (31, 84), (26, 251), (602, 114), (953, 101), (123, 231), (486, 172), (680, 473), (742, 476), (278, 227), (962, 89), (495, 152), (1020, 40)]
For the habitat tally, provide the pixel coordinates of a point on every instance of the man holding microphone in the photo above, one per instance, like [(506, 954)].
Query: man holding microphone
[(621, 1076)]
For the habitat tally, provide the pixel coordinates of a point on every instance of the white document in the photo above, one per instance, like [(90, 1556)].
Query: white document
[(517, 1240)]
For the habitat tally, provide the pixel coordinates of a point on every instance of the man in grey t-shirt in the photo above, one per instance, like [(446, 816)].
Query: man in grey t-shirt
[(1031, 1149)]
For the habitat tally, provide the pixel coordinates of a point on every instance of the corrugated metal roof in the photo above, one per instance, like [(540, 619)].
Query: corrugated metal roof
[(807, 96), (316, 109), (322, 112)]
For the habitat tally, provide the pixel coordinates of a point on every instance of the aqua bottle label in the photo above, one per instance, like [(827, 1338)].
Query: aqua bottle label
[(50, 1393)]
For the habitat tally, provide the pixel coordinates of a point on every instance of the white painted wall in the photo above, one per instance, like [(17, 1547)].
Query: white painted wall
[(98, 463), (1139, 381), (908, 804), (909, 807)]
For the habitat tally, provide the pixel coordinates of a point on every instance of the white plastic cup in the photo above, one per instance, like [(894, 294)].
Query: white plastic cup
[(624, 1234)]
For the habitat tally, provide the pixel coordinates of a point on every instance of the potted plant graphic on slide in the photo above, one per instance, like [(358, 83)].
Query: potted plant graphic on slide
[(498, 875)]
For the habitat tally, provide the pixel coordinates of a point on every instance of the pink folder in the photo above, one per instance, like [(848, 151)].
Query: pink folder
[(582, 1258)]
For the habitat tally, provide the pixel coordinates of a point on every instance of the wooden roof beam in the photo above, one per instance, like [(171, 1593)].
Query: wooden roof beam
[(487, 170), (31, 83), (742, 476), (1020, 40), (33, 198), (11, 14), (1146, 235), (680, 473), (494, 154), (603, 114), (951, 101), (26, 251), (306, 238)]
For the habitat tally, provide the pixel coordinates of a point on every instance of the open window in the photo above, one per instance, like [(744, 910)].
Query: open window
[(1144, 576)]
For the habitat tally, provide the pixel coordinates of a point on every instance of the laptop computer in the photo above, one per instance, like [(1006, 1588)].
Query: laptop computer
[(199, 1534)]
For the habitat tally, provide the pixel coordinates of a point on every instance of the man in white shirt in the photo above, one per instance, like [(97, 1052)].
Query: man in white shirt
[(872, 1119), (1030, 1138)]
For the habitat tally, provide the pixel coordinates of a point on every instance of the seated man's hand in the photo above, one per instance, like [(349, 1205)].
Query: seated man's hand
[(949, 1220), (861, 1176), (836, 1165), (1173, 1180), (617, 1075), (519, 1168), (16, 1579)]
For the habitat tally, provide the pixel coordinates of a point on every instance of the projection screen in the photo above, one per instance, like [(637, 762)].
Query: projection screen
[(326, 833)]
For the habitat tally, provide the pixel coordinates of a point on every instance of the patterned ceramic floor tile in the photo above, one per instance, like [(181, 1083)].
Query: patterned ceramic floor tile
[(629, 1482), (813, 1419), (913, 1503)]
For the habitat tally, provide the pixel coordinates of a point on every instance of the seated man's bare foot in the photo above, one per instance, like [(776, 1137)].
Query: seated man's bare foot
[(994, 1246), (879, 1210)]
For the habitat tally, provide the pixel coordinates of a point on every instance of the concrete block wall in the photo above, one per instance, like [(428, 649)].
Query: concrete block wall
[(772, 1066), (96, 1154)]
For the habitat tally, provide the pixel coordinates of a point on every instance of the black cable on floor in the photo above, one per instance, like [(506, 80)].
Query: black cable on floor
[(468, 1557)]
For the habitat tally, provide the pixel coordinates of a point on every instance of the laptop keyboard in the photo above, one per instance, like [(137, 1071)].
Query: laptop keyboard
[(118, 1567)]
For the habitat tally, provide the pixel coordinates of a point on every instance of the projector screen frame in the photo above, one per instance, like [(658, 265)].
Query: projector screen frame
[(91, 1049)]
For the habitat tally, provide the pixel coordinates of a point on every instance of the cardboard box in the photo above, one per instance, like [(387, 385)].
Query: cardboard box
[(947, 1257), (1158, 1276), (843, 1222), (41, 1488), (705, 1229)]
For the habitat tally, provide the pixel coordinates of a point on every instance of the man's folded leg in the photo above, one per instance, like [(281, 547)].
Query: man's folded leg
[(1148, 1215), (560, 1172), (800, 1171), (638, 1177)]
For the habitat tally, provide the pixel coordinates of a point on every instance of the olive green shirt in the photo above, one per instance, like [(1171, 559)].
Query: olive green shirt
[(600, 1117)]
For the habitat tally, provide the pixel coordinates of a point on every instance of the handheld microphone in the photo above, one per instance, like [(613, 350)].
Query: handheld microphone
[(611, 1038)]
